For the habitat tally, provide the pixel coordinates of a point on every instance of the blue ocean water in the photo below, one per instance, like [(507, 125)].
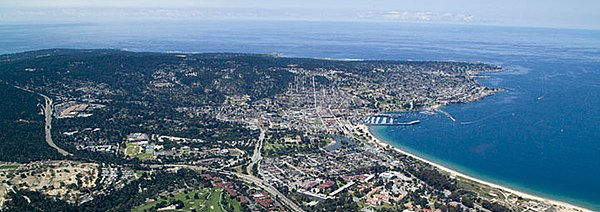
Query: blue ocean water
[(541, 136)]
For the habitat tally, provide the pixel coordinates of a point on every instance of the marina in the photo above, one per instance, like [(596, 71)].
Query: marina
[(387, 120)]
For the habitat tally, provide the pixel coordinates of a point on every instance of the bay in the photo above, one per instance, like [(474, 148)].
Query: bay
[(541, 136)]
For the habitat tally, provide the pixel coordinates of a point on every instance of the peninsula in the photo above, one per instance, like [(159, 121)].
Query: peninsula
[(140, 131)]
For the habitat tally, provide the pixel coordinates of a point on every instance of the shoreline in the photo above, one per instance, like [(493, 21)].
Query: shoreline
[(561, 206)]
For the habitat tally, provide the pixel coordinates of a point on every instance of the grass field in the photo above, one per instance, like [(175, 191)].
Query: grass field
[(209, 200), (237, 206), (133, 150), (278, 147)]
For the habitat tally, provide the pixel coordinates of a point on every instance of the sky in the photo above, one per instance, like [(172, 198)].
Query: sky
[(583, 14)]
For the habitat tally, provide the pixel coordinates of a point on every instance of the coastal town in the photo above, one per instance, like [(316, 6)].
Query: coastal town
[(225, 132)]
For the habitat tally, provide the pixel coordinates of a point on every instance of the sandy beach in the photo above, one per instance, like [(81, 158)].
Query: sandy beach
[(562, 206)]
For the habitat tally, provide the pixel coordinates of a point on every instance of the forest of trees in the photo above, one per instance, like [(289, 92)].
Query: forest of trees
[(22, 127)]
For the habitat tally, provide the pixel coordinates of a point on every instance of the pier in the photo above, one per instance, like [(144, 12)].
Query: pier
[(446, 114)]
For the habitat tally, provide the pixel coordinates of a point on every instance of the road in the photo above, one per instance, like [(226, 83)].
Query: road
[(48, 127), (247, 178), (256, 156), (270, 189), (48, 120)]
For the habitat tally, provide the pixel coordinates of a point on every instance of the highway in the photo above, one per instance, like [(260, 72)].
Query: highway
[(247, 178), (270, 189), (48, 120), (48, 127), (256, 156)]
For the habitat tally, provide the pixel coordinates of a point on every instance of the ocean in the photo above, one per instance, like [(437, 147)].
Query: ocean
[(540, 136)]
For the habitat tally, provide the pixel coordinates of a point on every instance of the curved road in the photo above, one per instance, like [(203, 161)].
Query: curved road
[(256, 157), (270, 189), (48, 120), (48, 127), (247, 178)]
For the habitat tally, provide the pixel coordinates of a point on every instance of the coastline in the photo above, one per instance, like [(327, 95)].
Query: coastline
[(561, 206)]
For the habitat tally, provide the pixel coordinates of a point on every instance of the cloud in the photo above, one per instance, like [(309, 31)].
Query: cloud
[(104, 3), (104, 14), (406, 16)]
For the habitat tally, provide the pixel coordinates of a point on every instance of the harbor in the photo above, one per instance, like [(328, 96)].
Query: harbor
[(387, 120)]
